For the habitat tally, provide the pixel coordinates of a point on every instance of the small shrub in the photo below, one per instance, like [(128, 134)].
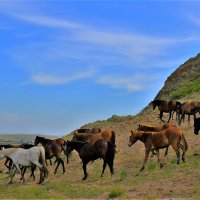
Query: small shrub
[(116, 192), (151, 166), (123, 175)]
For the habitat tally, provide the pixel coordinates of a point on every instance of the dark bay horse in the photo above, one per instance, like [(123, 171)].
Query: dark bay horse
[(157, 140), (167, 107), (188, 108), (108, 135), (196, 125), (53, 148), (92, 151)]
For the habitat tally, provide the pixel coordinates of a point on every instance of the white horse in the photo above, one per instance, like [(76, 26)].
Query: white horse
[(26, 158)]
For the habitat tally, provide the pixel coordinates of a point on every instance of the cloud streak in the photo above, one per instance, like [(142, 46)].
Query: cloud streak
[(49, 79)]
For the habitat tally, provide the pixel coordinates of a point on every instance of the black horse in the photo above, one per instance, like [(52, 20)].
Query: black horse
[(196, 125), (167, 107), (92, 151)]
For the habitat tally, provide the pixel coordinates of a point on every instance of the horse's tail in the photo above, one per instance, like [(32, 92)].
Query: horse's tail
[(43, 160), (113, 138), (110, 154), (185, 142)]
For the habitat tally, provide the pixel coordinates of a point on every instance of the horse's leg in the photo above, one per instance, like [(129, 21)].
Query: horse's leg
[(110, 164), (104, 167), (166, 151), (33, 168), (176, 149), (158, 156), (63, 165), (147, 151), (42, 173), (23, 170), (188, 120), (20, 171), (85, 171), (183, 149), (173, 115), (170, 115), (161, 115), (13, 174), (59, 161)]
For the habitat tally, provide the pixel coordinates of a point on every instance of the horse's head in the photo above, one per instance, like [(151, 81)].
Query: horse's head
[(196, 126), (133, 138), (37, 140), (67, 148), (154, 104), (2, 155)]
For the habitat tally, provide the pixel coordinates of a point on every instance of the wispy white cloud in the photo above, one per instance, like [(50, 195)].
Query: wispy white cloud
[(48, 21), (130, 83), (49, 79)]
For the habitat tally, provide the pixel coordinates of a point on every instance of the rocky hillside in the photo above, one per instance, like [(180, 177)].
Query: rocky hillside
[(184, 82)]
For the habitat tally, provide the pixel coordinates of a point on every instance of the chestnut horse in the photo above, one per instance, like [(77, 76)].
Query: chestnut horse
[(87, 130), (144, 127), (108, 135), (167, 107), (158, 140), (92, 151), (53, 148)]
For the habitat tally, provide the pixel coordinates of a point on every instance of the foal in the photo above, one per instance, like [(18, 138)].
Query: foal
[(158, 140)]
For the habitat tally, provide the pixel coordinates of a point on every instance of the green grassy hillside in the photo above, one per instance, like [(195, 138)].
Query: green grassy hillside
[(172, 181)]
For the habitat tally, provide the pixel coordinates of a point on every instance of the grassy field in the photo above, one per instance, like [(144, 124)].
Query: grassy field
[(172, 181)]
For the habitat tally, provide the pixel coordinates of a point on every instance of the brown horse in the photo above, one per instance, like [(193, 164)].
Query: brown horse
[(108, 135), (144, 127), (158, 140), (53, 148), (188, 108), (92, 151), (167, 107)]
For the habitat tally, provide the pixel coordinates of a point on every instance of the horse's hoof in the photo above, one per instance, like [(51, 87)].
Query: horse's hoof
[(141, 169), (84, 178), (161, 165)]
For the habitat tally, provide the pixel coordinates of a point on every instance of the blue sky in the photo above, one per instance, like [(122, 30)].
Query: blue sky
[(67, 63)]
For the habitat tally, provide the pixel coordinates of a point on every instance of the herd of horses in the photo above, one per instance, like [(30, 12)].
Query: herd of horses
[(93, 144)]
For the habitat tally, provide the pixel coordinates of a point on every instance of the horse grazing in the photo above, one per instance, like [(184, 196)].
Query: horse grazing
[(167, 107), (26, 158), (92, 151), (188, 108), (196, 125), (158, 140), (150, 128), (53, 148), (108, 135)]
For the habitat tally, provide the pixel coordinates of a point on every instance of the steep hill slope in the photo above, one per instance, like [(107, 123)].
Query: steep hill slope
[(172, 181)]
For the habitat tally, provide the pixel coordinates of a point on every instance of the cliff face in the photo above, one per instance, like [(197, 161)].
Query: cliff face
[(183, 82)]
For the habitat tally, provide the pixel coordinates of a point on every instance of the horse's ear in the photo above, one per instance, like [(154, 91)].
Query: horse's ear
[(132, 132), (139, 125), (67, 141)]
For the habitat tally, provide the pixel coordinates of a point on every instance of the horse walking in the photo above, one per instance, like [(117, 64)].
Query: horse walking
[(26, 158), (92, 151), (158, 140), (188, 108), (167, 107), (53, 148)]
